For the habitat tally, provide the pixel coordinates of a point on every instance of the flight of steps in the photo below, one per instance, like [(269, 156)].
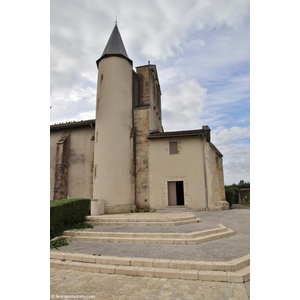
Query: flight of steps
[(236, 270), (192, 238), (141, 220), (177, 208)]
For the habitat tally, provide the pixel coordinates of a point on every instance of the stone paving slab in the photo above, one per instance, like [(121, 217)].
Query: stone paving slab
[(150, 216), (116, 286), (219, 250), (112, 286), (192, 238)]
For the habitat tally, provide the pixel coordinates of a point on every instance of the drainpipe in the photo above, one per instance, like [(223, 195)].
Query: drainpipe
[(204, 168)]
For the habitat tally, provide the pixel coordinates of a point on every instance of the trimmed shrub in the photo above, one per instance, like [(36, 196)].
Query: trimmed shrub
[(66, 213), (230, 195)]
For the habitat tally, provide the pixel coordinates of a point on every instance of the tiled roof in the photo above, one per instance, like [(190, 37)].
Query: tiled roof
[(73, 124)]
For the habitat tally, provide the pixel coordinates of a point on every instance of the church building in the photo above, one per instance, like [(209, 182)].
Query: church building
[(123, 159)]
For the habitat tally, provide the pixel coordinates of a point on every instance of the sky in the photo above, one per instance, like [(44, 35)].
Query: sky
[(201, 49)]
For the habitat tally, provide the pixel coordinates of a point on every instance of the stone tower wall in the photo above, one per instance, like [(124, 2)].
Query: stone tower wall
[(113, 149)]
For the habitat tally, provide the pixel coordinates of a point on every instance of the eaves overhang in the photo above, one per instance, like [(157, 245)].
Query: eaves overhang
[(205, 131), (73, 124)]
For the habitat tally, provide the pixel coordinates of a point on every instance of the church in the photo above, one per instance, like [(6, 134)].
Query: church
[(123, 160)]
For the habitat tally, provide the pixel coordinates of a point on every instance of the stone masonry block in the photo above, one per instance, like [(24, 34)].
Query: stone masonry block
[(171, 235), (105, 260), (245, 273), (142, 262), (146, 271), (167, 241), (234, 277), (57, 255), (222, 266), (89, 258), (107, 269), (55, 263), (161, 263), (212, 276), (182, 264), (191, 242), (90, 268), (73, 256), (74, 266), (153, 241), (140, 240), (122, 261), (180, 241), (189, 274), (127, 270), (203, 265), (167, 273)]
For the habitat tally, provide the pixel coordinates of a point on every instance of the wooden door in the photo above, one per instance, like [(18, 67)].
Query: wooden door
[(172, 197)]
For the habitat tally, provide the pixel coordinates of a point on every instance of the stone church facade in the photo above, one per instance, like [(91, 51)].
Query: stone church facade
[(123, 160)]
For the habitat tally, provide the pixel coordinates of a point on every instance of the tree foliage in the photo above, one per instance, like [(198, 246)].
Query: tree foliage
[(232, 191)]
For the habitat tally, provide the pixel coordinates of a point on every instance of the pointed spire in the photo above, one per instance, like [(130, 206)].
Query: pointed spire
[(114, 46)]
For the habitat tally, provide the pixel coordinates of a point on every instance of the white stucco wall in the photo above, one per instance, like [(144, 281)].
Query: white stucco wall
[(79, 160), (186, 166), (113, 144)]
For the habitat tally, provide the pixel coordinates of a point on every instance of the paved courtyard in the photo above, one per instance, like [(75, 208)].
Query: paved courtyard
[(103, 286), (111, 286)]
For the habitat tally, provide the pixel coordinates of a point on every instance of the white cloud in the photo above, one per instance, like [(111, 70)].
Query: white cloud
[(233, 143), (87, 115), (201, 49), (182, 105), (227, 136)]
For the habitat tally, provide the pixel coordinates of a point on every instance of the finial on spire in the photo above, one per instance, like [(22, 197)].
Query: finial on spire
[(116, 21)]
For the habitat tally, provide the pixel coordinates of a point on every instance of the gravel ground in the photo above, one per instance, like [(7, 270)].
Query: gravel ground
[(219, 250)]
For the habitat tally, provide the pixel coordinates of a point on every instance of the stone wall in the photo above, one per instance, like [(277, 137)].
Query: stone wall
[(71, 162), (141, 118), (62, 167)]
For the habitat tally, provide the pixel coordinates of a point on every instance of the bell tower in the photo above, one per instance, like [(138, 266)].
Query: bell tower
[(113, 155)]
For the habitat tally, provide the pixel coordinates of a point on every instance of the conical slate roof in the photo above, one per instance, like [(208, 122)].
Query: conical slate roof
[(114, 46)]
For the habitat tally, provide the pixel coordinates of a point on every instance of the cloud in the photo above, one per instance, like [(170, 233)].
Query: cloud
[(182, 105), (234, 144), (150, 29), (226, 136), (87, 115), (70, 104), (201, 49)]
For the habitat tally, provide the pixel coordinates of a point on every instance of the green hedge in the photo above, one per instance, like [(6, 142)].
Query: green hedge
[(230, 196), (66, 213)]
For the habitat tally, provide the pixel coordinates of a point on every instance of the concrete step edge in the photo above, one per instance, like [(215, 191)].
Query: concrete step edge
[(147, 239), (193, 234), (152, 262), (132, 220), (152, 271), (177, 223)]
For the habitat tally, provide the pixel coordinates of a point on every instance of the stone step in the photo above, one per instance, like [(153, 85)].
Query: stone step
[(237, 270), (181, 241), (192, 238), (141, 218), (179, 208), (148, 235), (98, 220)]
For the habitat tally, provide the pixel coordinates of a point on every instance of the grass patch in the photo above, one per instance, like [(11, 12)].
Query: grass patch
[(246, 204), (82, 225), (58, 243)]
